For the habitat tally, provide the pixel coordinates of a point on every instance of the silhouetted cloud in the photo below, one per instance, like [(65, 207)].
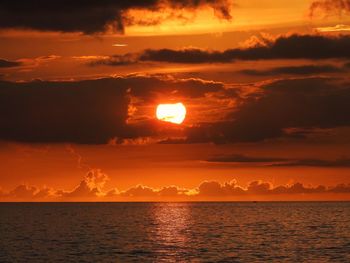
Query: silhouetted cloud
[(97, 111), (308, 103), (294, 70), (91, 16), (315, 162), (276, 161), (9, 64), (239, 158), (90, 111), (117, 60), (284, 47)]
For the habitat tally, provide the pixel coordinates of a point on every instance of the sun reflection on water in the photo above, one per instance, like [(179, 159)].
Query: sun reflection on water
[(172, 222)]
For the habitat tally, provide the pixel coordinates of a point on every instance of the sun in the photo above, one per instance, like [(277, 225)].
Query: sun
[(174, 113)]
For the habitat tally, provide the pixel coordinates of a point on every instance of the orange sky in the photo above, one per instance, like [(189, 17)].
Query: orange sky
[(266, 102)]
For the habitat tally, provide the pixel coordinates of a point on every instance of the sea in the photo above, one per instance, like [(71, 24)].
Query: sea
[(175, 232)]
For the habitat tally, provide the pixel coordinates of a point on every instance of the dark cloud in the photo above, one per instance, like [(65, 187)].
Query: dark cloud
[(316, 162), (294, 70), (117, 60), (152, 88), (238, 158), (96, 111), (84, 111), (291, 103), (284, 47), (9, 64), (90, 112), (90, 16), (275, 161), (337, 7), (190, 55)]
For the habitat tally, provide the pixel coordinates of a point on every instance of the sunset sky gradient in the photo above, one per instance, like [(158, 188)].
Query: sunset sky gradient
[(265, 84)]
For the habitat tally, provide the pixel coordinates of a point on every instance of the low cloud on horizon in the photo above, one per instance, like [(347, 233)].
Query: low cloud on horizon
[(91, 189)]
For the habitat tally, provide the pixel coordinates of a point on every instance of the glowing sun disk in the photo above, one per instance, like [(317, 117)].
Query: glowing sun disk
[(174, 113)]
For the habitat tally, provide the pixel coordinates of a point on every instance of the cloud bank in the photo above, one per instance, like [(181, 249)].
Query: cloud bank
[(91, 189), (89, 111), (275, 161), (90, 16), (101, 110)]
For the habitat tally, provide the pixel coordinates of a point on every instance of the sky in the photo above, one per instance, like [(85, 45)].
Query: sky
[(265, 85)]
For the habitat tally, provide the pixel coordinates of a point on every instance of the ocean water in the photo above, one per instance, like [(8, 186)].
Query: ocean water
[(175, 232)]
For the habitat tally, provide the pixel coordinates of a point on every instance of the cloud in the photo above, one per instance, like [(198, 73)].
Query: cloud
[(238, 158), (214, 188), (91, 16), (139, 190), (336, 28), (145, 191), (99, 111), (89, 111), (9, 64), (117, 60), (283, 47), (23, 192), (294, 70), (91, 189), (259, 187), (27, 193), (343, 162), (329, 7), (310, 103), (276, 161)]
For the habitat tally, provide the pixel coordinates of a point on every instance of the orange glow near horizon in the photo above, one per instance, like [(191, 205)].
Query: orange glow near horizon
[(174, 113)]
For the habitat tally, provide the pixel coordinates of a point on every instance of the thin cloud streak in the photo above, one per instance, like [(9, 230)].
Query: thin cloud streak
[(276, 161)]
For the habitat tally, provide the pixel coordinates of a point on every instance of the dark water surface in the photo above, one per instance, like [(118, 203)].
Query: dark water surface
[(175, 232)]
